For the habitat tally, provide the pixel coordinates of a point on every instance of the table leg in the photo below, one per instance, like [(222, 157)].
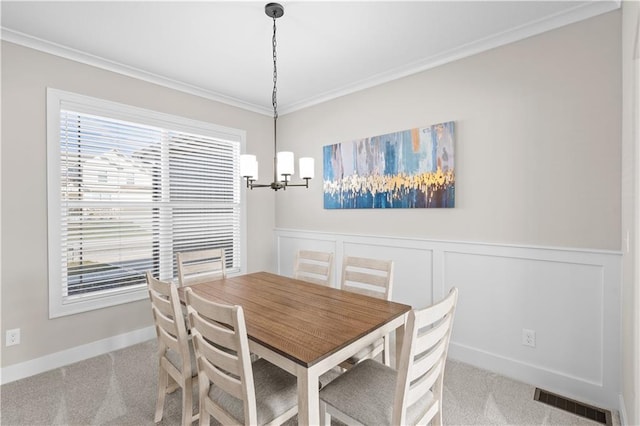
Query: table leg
[(308, 397)]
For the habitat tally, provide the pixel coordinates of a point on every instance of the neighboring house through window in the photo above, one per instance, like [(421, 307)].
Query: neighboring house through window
[(129, 188)]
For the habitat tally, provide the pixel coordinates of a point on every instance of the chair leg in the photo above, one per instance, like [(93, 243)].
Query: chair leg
[(163, 379), (386, 354), (204, 419), (187, 403), (325, 418), (437, 419), (203, 392)]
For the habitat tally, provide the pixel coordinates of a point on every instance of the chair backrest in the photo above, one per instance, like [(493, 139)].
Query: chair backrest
[(200, 265), (169, 322), (372, 277), (314, 266), (423, 358), (222, 354)]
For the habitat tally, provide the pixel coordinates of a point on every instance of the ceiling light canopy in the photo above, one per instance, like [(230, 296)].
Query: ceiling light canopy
[(283, 162)]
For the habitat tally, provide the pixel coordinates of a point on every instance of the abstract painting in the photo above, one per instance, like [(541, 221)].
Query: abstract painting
[(409, 169)]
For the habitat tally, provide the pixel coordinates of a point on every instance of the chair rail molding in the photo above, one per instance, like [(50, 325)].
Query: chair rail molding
[(569, 297)]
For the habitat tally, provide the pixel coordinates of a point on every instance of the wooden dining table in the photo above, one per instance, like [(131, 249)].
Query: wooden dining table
[(306, 329)]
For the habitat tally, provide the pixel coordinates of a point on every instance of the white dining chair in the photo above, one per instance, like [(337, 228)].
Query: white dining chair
[(313, 266), (198, 266), (372, 393), (233, 389), (176, 358), (371, 277)]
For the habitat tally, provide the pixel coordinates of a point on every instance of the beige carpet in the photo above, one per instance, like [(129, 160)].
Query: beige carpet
[(119, 388)]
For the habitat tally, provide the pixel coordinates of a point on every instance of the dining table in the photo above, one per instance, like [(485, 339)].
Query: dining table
[(304, 328)]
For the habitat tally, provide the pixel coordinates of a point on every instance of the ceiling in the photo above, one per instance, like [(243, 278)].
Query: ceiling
[(222, 50)]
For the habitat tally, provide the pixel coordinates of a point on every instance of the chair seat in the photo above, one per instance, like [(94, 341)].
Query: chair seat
[(371, 388), (366, 352), (174, 359), (276, 393)]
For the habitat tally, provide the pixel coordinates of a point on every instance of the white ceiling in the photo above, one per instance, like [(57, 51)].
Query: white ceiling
[(222, 50)]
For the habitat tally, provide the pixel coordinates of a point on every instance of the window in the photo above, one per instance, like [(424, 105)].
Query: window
[(128, 188)]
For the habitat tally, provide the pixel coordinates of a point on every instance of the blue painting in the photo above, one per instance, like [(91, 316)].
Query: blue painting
[(409, 169)]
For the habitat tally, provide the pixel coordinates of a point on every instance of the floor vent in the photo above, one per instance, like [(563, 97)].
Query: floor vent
[(575, 407)]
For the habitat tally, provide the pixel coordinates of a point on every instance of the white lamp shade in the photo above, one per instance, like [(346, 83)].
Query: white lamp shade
[(306, 168), (249, 166), (285, 163)]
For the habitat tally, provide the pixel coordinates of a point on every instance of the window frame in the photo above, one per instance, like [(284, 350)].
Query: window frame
[(56, 101)]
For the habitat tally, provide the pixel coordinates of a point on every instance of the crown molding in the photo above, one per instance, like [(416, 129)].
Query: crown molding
[(45, 46), (569, 16)]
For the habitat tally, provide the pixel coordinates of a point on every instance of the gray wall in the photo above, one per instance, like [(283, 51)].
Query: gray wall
[(537, 150), (26, 74)]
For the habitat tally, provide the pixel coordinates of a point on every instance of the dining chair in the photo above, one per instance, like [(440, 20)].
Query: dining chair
[(372, 393), (200, 265), (176, 360), (371, 277), (232, 389), (313, 266)]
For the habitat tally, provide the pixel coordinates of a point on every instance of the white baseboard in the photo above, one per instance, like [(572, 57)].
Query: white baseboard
[(70, 356), (623, 412)]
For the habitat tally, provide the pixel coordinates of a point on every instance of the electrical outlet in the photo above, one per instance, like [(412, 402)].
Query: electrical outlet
[(529, 337), (13, 337)]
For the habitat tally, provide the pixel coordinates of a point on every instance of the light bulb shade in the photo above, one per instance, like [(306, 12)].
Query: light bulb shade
[(249, 166), (285, 163), (306, 168)]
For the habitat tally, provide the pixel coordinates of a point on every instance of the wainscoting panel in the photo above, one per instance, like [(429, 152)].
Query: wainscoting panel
[(570, 298)]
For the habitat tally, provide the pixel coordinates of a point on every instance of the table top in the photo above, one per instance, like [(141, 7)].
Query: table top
[(303, 322)]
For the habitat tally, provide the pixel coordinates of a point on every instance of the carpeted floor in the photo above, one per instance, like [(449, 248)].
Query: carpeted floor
[(119, 388)]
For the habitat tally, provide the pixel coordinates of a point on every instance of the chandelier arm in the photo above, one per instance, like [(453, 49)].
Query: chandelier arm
[(306, 184)]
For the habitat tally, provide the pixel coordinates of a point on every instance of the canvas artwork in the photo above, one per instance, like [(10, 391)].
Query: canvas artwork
[(409, 169)]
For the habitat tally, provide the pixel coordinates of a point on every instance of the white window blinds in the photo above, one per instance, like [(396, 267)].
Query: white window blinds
[(132, 194)]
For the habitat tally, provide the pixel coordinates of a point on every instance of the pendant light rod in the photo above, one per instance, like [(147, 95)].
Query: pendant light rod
[(282, 161)]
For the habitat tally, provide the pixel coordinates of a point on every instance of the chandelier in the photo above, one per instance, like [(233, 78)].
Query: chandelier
[(283, 162)]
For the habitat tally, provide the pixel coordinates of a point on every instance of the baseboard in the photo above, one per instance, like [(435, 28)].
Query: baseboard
[(32, 367), (554, 381), (623, 412)]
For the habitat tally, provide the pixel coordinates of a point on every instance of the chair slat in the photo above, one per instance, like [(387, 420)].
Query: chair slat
[(432, 336), (364, 291), (162, 305), (221, 355), (421, 387), (368, 263), (200, 265), (202, 268), (423, 364), (313, 266), (222, 379), (366, 278), (318, 256)]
